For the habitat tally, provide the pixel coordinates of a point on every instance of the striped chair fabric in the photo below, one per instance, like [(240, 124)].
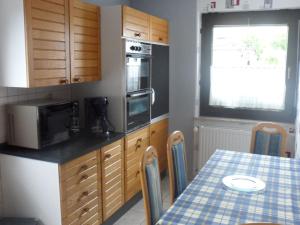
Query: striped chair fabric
[(154, 189), (267, 144), (179, 168)]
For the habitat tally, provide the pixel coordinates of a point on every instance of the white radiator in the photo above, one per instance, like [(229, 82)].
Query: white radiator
[(228, 134), (212, 138)]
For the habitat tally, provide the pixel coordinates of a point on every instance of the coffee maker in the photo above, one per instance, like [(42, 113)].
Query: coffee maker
[(96, 115)]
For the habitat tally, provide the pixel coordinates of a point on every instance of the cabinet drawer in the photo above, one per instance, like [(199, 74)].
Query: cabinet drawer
[(159, 30), (83, 214), (78, 166), (80, 198), (112, 178), (136, 24)]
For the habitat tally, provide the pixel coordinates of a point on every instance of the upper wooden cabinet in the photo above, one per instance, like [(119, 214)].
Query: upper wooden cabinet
[(84, 41), (136, 24), (48, 42), (159, 30), (142, 26)]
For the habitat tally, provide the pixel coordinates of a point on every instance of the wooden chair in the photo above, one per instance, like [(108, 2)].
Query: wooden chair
[(269, 139), (177, 164), (151, 186)]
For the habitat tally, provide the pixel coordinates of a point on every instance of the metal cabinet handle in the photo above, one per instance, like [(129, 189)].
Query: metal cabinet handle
[(84, 211), (83, 195), (82, 168), (77, 79), (107, 156), (152, 96), (64, 81), (137, 34), (83, 178)]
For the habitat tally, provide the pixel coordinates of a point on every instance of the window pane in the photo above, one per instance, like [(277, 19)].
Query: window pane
[(249, 66)]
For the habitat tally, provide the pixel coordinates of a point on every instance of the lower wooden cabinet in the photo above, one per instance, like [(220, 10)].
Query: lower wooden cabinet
[(80, 191), (112, 163), (158, 139), (135, 144)]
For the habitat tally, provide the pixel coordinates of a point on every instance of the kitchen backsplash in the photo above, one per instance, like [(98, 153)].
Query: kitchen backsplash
[(11, 95)]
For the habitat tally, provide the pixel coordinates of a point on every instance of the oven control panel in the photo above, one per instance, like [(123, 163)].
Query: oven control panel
[(135, 47)]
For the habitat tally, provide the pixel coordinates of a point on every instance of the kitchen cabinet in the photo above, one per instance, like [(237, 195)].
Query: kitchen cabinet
[(50, 42), (135, 144), (144, 27), (112, 161), (81, 190), (84, 42), (136, 24), (159, 30), (158, 139)]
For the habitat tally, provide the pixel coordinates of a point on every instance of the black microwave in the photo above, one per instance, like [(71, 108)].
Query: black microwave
[(41, 123)]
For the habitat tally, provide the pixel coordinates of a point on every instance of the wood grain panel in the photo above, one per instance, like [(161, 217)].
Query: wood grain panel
[(159, 30), (158, 139), (80, 190), (112, 178), (47, 28), (135, 144), (136, 24), (84, 41)]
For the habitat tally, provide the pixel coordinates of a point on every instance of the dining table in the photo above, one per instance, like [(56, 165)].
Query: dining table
[(207, 201)]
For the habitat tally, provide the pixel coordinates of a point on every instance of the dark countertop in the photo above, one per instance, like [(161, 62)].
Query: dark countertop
[(61, 153)]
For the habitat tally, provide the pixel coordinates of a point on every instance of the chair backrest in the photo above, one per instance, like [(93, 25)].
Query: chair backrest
[(268, 139), (177, 164), (151, 186), (261, 224)]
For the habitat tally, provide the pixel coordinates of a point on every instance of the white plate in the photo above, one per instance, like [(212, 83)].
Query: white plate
[(244, 183)]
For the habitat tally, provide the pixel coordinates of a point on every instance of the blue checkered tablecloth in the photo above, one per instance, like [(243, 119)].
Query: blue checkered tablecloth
[(206, 201)]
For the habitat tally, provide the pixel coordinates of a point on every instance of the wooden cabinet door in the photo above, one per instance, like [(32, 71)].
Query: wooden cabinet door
[(158, 139), (159, 30), (80, 191), (136, 24), (84, 42), (112, 178), (47, 30), (135, 144)]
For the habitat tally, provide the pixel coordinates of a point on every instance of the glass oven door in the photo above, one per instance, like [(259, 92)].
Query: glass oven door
[(138, 110), (138, 72)]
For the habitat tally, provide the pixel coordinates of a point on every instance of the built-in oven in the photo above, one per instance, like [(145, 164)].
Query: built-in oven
[(138, 66), (137, 110)]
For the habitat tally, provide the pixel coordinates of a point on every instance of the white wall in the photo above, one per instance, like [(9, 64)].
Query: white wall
[(184, 32)]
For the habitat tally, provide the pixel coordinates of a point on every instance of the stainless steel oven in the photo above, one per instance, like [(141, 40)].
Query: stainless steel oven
[(137, 110), (138, 66)]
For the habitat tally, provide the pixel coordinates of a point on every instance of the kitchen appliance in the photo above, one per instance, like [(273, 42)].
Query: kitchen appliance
[(138, 66), (137, 110), (160, 81), (96, 115), (40, 123)]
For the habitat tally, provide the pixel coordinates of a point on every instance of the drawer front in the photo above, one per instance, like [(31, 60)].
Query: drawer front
[(136, 144), (158, 139), (84, 214), (80, 190), (159, 30), (136, 24), (112, 178)]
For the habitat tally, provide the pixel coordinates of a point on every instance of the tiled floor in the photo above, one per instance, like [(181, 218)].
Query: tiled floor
[(136, 215)]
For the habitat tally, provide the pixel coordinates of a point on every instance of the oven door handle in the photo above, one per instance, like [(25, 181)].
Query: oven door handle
[(138, 94)]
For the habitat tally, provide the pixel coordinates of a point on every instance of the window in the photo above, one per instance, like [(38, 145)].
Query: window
[(247, 64)]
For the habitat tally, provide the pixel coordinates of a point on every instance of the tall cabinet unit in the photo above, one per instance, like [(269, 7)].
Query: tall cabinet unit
[(37, 48)]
